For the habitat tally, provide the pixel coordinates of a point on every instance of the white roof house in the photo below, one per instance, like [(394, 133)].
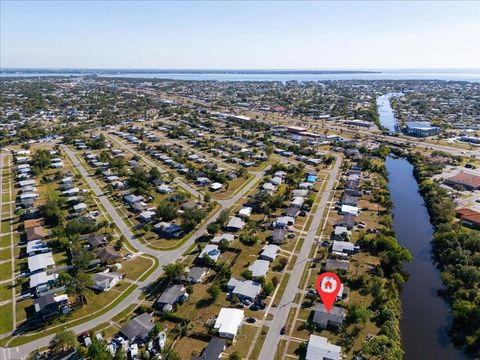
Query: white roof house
[(212, 251), (300, 193), (347, 209), (35, 246), (245, 212), (112, 178), (259, 268), (297, 202), (320, 349), (228, 322), (226, 236), (269, 187), (164, 189), (343, 247), (216, 186), (105, 281), (80, 207), (73, 191), (28, 195), (276, 180), (147, 215), (42, 278), (269, 252), (284, 221), (27, 183), (40, 262), (305, 185), (235, 224), (57, 165)]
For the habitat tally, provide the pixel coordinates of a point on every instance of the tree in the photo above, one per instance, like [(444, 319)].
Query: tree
[(155, 331), (166, 210), (139, 180), (63, 341), (267, 289), (154, 173), (172, 355), (382, 346), (223, 217), (174, 272), (247, 274), (51, 212), (214, 291), (119, 243), (213, 228), (40, 161), (79, 286), (223, 245), (191, 217), (207, 198), (357, 313), (235, 356), (64, 278), (119, 354), (98, 350)]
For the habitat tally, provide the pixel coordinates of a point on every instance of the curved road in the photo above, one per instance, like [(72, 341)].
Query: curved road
[(165, 257)]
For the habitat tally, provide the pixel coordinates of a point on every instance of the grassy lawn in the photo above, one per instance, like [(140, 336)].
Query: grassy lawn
[(5, 254), (135, 267), (23, 309), (5, 271), (259, 343), (244, 336), (5, 227), (187, 346), (88, 311), (5, 292), (233, 186), (6, 320)]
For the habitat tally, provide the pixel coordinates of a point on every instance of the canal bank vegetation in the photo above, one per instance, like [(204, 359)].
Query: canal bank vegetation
[(457, 252), (388, 278)]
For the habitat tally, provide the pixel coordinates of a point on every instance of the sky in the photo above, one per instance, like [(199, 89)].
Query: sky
[(240, 35)]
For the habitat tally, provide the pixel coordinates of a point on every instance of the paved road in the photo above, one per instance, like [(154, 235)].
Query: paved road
[(165, 257), (225, 203), (132, 149), (273, 337)]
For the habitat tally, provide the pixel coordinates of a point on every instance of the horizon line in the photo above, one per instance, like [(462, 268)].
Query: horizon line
[(238, 69)]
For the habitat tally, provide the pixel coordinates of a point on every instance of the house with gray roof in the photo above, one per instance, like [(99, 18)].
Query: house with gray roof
[(259, 268), (323, 319), (196, 274), (244, 289), (171, 296), (269, 252), (137, 329), (335, 264)]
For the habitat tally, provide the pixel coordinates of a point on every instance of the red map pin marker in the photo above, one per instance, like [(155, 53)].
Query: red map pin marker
[(328, 285)]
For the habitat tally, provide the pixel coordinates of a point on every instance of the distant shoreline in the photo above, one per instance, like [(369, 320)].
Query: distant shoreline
[(183, 71)]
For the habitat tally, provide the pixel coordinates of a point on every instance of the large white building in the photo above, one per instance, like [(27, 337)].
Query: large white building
[(229, 322)]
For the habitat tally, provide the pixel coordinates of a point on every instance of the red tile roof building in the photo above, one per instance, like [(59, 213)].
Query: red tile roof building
[(467, 180)]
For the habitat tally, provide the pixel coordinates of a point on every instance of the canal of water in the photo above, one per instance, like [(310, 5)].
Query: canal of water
[(385, 112), (425, 316)]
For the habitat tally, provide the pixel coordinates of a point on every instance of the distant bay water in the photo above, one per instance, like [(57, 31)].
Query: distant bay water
[(472, 75)]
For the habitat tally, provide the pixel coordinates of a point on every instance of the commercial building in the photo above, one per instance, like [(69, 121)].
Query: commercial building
[(420, 129)]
